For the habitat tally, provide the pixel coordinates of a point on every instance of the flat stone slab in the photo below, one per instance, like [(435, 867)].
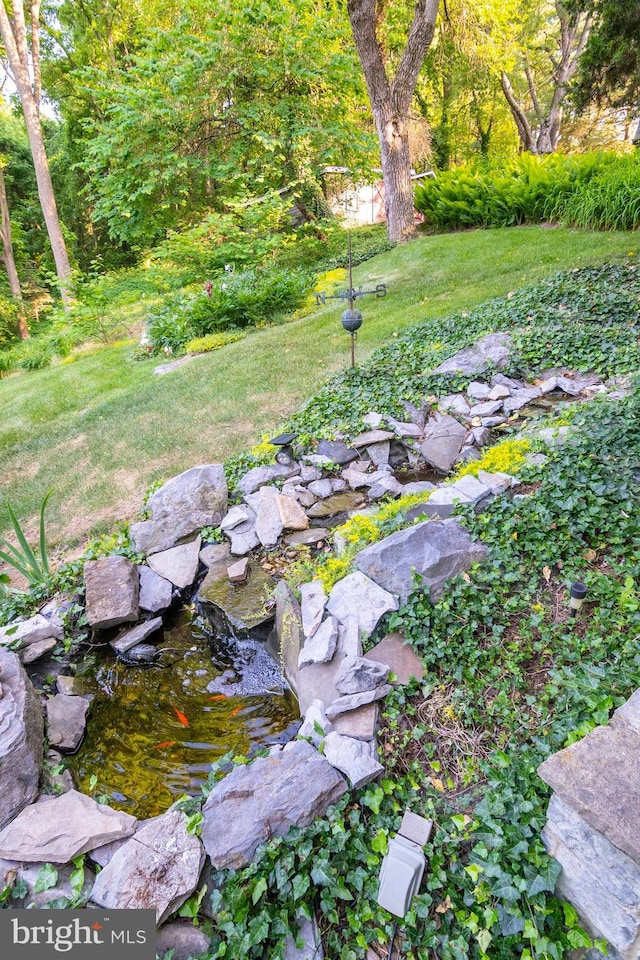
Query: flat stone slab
[(138, 635), (313, 601), (28, 874), (493, 349), (37, 650), (24, 633), (184, 505), (599, 776), (436, 550), (337, 451), (156, 593), (308, 936), (179, 565), (285, 642), (354, 700), (157, 869), (360, 674), (601, 882), (399, 656), (361, 723), (371, 437), (242, 607), (290, 787), (112, 592), (317, 682), (310, 537), (57, 829), (354, 758), (260, 476), (21, 738), (336, 503), (443, 440), (185, 940), (321, 647), (357, 597), (66, 721)]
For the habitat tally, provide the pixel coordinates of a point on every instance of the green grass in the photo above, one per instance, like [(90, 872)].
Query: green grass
[(99, 431)]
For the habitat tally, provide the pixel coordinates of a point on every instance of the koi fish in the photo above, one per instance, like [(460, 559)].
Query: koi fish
[(165, 743), (218, 696), (234, 713), (181, 716)]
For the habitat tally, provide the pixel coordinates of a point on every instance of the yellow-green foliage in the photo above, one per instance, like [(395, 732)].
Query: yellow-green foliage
[(264, 451), (505, 457), (213, 341), (326, 283), (359, 531)]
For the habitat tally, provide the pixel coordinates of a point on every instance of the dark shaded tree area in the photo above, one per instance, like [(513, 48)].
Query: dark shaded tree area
[(610, 66)]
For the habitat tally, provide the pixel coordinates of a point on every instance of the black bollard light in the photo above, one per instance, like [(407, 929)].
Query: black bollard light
[(578, 592)]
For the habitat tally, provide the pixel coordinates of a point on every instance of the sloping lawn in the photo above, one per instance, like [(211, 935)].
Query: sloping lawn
[(100, 430)]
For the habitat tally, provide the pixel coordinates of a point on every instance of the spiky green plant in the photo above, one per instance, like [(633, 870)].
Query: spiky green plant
[(34, 568)]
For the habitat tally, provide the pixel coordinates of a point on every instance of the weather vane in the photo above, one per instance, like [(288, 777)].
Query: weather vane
[(351, 318)]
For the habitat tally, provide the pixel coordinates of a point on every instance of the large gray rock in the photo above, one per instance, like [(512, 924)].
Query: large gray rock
[(305, 944), (360, 674), (321, 647), (601, 882), (444, 439), (399, 657), (357, 597), (156, 593), (21, 738), (313, 601), (287, 638), (316, 725), (183, 939), (13, 873), (37, 650), (435, 550), (24, 633), (316, 682), (157, 869), (260, 476), (337, 451), (112, 592), (493, 349), (520, 398), (355, 758), (269, 525), (599, 776), (195, 499), (66, 721), (57, 829), (179, 565), (353, 701), (243, 535), (139, 634), (290, 787)]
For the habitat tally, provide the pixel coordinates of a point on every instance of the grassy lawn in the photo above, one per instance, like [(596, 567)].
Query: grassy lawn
[(100, 430)]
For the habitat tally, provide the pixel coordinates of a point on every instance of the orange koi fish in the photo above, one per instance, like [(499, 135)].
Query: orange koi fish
[(234, 713), (218, 696), (165, 743), (181, 716)]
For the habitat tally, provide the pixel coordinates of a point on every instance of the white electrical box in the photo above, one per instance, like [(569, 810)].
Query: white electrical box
[(403, 865)]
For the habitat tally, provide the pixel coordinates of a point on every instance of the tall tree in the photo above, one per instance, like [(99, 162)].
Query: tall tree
[(549, 48), (390, 94), (8, 257), (14, 36), (610, 68)]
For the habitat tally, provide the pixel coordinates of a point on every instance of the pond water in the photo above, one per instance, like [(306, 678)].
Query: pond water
[(154, 732)]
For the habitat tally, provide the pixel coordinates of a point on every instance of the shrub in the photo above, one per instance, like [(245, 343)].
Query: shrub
[(213, 341), (528, 191), (610, 200)]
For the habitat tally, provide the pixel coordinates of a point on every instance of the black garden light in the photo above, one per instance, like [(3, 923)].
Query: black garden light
[(352, 318), (578, 592)]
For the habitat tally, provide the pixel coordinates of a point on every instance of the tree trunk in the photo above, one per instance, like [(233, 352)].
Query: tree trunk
[(9, 260), (14, 39), (391, 99)]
